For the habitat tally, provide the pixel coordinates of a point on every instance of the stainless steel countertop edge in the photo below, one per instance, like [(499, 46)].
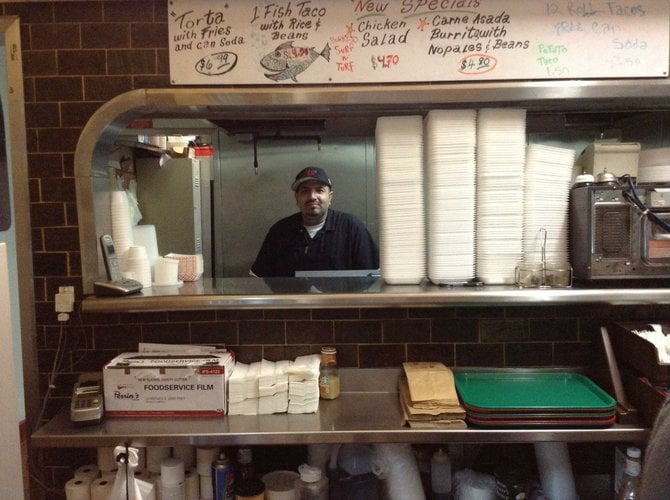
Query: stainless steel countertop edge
[(206, 294)]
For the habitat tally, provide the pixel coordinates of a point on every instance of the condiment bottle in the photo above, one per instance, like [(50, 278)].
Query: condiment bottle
[(312, 484), (630, 484), (245, 464), (440, 475), (329, 377)]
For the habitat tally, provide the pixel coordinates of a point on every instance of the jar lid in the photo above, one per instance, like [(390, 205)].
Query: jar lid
[(328, 350), (309, 474)]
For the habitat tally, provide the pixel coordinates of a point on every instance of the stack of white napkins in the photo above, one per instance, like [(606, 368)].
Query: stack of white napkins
[(273, 387), (243, 391), (303, 384)]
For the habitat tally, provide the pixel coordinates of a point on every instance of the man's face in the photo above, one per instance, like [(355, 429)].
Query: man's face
[(313, 200)]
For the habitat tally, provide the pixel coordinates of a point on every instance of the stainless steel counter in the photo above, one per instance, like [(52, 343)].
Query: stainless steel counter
[(367, 411), (305, 293)]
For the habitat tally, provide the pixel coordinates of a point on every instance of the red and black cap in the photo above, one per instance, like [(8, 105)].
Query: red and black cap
[(311, 174)]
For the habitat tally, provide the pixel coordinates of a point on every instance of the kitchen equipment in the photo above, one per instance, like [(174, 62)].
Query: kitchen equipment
[(617, 231)]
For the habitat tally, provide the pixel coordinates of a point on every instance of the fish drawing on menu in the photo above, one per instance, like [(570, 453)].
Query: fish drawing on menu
[(289, 61)]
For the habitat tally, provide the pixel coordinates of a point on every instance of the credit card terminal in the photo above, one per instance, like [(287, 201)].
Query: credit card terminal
[(87, 405)]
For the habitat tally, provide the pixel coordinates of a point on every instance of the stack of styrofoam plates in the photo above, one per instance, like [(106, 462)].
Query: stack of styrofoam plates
[(501, 151), (399, 157), (654, 166), (450, 143), (547, 190)]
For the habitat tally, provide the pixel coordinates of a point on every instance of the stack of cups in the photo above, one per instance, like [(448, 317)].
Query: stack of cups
[(204, 459), (122, 231), (172, 479), (137, 265)]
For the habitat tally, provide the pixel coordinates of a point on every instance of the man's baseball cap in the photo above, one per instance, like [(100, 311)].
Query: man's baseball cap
[(311, 174)]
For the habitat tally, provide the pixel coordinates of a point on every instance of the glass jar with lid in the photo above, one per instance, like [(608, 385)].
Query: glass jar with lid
[(329, 376)]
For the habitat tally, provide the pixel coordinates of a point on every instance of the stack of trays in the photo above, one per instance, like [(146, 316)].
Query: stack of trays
[(533, 398)]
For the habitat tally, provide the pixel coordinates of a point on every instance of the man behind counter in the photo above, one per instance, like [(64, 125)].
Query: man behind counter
[(317, 238)]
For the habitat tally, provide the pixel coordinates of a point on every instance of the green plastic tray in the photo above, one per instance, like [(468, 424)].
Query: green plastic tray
[(530, 391)]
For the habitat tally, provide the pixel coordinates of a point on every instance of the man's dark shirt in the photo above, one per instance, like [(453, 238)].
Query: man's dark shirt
[(343, 243)]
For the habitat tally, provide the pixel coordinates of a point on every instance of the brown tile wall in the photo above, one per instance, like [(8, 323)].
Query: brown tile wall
[(76, 56)]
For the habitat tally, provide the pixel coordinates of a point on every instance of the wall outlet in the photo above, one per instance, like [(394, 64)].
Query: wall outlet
[(65, 299)]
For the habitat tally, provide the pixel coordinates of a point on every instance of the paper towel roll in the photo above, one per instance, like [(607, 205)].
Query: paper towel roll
[(155, 455), (106, 461), (89, 471), (173, 492), (555, 470), (78, 489), (186, 453), (172, 472), (109, 475), (204, 459), (192, 484), (206, 487), (101, 488)]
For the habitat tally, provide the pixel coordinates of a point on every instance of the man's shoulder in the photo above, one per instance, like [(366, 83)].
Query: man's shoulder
[(344, 219), (343, 216), (289, 221)]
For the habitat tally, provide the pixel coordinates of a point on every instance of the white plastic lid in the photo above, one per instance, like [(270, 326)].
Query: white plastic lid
[(584, 178), (633, 452), (309, 474)]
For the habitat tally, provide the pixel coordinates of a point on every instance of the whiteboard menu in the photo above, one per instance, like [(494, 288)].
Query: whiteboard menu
[(222, 42)]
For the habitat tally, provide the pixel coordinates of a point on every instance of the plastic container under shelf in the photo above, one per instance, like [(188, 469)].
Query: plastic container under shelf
[(312, 484)]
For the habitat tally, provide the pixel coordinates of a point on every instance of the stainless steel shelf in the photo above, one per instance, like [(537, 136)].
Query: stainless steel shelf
[(367, 411), (299, 293)]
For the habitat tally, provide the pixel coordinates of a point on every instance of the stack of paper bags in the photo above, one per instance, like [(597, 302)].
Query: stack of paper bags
[(303, 384), (428, 396), (243, 389), (273, 387)]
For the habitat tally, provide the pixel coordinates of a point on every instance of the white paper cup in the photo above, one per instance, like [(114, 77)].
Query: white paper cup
[(137, 252), (166, 272)]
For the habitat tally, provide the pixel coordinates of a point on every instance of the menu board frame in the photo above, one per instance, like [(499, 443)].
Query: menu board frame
[(242, 42)]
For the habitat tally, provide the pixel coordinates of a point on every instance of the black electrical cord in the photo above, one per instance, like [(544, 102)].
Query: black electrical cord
[(630, 195)]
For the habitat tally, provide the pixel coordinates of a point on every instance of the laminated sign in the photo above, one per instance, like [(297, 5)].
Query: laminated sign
[(367, 41)]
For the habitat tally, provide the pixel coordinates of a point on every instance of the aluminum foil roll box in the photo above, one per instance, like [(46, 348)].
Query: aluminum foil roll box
[(167, 384)]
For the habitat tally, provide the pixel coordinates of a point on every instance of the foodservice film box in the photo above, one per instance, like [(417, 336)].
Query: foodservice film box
[(167, 384)]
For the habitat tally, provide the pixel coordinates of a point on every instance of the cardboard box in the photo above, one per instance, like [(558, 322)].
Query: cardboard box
[(167, 384)]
